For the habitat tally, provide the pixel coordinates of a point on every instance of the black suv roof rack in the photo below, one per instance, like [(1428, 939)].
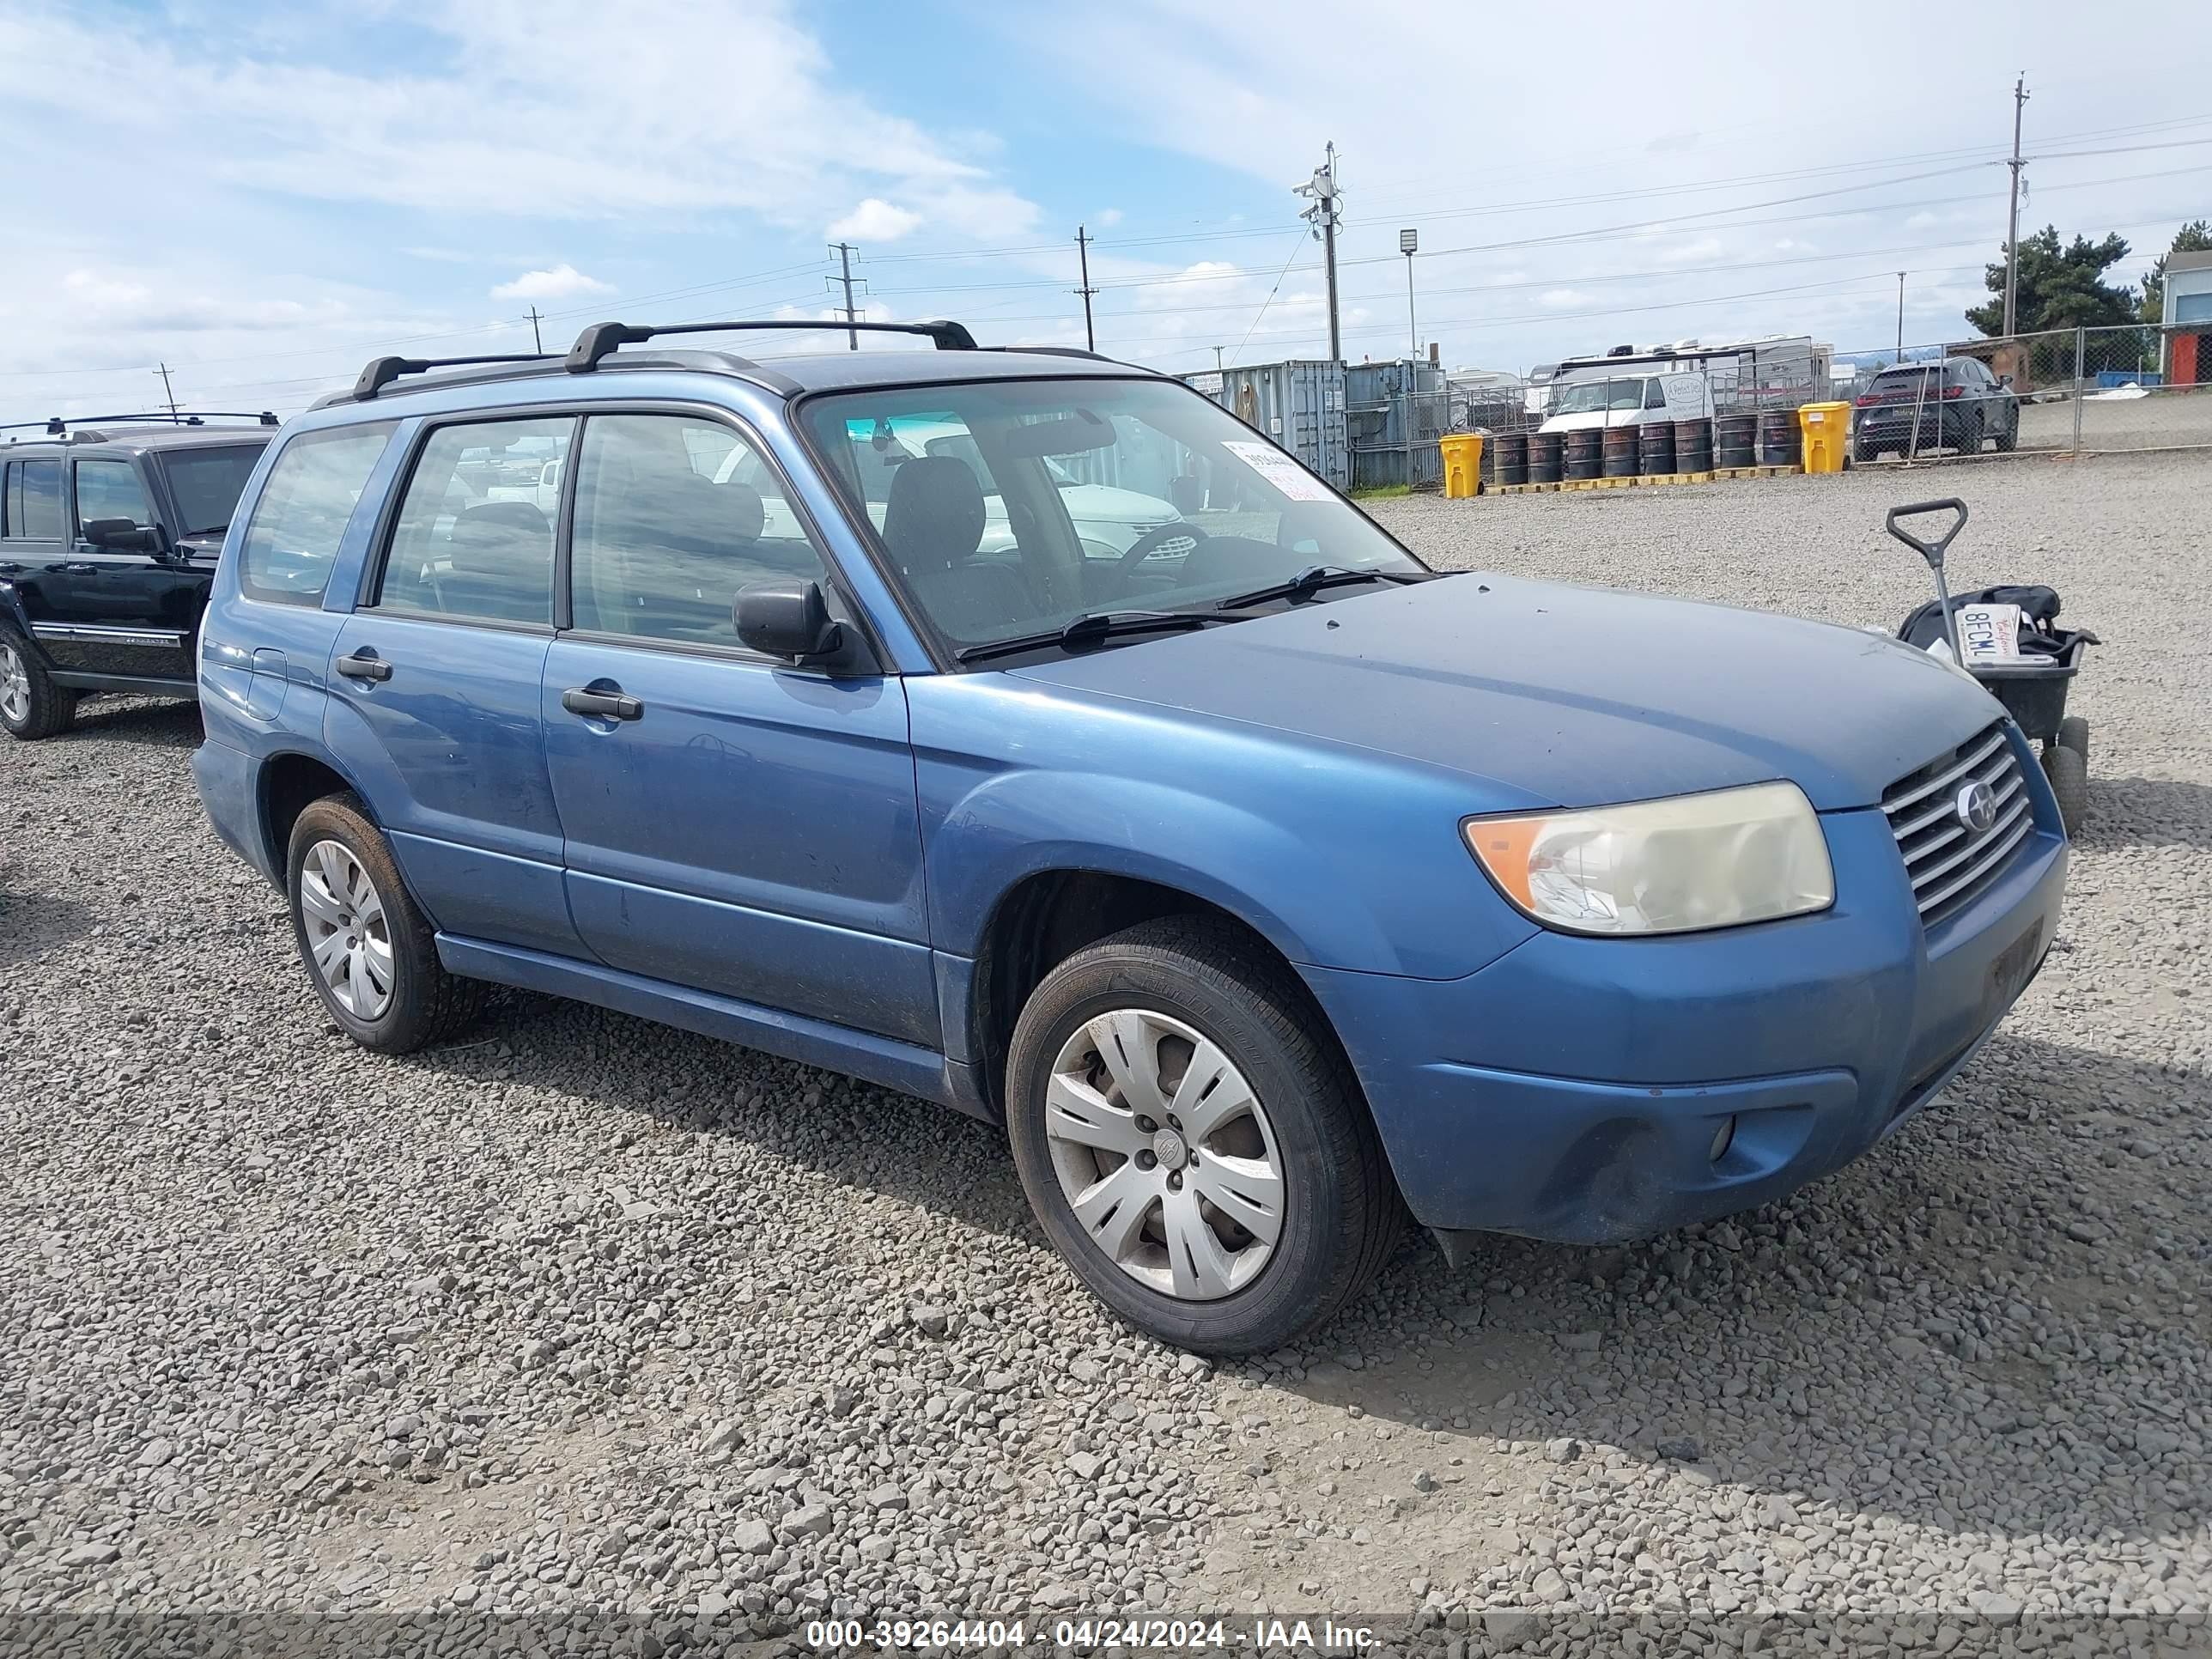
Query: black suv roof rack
[(599, 340), (381, 372), (1054, 351), (57, 426)]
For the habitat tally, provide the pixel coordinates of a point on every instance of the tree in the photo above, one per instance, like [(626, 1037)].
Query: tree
[(2059, 287), (2195, 237)]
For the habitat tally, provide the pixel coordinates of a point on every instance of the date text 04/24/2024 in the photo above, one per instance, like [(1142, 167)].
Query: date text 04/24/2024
[(1189, 1635)]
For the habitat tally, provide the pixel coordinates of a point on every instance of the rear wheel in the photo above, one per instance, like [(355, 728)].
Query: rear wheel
[(1203, 1162), (31, 705), (2069, 773), (371, 955)]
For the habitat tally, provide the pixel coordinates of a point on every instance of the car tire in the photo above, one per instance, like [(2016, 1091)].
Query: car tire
[(32, 706), (2008, 439), (1177, 996), (2068, 772), (369, 951)]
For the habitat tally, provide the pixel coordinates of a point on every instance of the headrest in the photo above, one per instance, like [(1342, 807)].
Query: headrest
[(742, 510), (935, 514), (495, 535)]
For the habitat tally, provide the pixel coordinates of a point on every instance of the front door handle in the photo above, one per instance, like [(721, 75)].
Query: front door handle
[(363, 665), (602, 705), (80, 568)]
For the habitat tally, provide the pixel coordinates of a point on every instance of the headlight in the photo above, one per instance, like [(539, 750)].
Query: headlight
[(1662, 867)]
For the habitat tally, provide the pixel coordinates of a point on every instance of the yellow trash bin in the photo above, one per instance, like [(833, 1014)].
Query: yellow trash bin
[(1826, 428), (1463, 455)]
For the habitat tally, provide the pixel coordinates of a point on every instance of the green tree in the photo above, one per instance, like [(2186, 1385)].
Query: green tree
[(2060, 287), (2195, 237)]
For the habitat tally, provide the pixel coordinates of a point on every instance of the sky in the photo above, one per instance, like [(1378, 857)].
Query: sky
[(264, 196)]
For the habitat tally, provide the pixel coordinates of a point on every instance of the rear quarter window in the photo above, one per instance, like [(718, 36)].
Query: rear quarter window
[(293, 539)]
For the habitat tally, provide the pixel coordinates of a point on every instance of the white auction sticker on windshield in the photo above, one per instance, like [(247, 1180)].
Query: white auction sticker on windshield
[(1278, 469)]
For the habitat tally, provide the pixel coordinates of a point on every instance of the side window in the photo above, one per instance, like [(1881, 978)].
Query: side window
[(110, 489), (34, 501), (293, 538), (1655, 394), (474, 539), (673, 515)]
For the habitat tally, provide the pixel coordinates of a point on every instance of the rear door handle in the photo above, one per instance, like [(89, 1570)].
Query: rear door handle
[(602, 705), (363, 666), (80, 568)]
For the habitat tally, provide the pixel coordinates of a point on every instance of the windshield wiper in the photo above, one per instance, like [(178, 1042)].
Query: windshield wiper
[(1087, 629), (1313, 579), (212, 530)]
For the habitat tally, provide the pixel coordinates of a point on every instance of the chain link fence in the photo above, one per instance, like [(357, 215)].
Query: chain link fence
[(2076, 391)]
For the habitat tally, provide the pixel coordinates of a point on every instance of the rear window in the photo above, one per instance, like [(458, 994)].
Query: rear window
[(34, 501), (304, 509)]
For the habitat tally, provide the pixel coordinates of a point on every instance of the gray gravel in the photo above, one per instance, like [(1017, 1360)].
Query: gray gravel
[(581, 1314)]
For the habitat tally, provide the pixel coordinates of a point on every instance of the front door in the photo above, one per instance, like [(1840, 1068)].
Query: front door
[(130, 612), (433, 688), (732, 824)]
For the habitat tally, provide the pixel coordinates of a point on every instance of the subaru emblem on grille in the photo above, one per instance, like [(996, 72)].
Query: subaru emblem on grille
[(1976, 806)]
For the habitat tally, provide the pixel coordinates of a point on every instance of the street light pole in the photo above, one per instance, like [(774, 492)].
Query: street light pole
[(1900, 316), (1409, 242)]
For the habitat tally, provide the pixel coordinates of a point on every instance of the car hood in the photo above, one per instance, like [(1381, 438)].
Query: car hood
[(1561, 696), (1596, 417)]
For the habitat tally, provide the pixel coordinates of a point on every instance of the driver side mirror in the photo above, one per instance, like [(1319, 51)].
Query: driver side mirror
[(2004, 380), (122, 536), (786, 619)]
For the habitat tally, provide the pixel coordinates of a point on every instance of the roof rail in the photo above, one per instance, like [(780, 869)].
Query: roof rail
[(381, 372), (57, 425), (599, 340), (1056, 351)]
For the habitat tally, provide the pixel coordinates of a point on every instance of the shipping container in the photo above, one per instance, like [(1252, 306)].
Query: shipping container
[(1300, 405), (1395, 412)]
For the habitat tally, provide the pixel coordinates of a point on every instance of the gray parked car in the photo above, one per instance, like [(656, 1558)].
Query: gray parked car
[(1915, 408)]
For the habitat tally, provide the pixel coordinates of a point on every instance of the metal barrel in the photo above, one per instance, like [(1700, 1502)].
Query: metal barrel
[(1693, 445), (1734, 438), (1584, 453), (1658, 440), (1622, 452), (1512, 451), (1543, 458), (1778, 443)]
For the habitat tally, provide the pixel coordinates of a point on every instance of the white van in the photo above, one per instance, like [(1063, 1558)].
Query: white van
[(1632, 395)]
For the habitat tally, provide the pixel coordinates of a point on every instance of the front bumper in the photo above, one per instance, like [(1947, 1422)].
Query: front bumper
[(1574, 1089)]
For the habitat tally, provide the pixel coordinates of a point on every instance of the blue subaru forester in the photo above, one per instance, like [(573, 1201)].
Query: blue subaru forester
[(1264, 883)]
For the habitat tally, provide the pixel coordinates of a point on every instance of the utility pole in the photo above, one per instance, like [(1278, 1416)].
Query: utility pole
[(537, 340), (168, 395), (1900, 316), (1322, 190), (845, 260), (1216, 360), (1409, 243), (1083, 253), (2012, 232)]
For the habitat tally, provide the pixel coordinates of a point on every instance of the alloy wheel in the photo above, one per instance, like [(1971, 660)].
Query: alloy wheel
[(14, 685), (1165, 1154), (347, 932)]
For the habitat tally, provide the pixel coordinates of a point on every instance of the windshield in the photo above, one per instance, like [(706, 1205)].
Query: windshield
[(206, 484), (1598, 396), (1012, 507)]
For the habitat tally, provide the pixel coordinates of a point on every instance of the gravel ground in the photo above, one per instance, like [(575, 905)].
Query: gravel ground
[(582, 1315)]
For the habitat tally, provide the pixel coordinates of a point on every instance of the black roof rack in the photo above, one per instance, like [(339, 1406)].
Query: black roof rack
[(381, 372), (597, 342), (1056, 351), (57, 425)]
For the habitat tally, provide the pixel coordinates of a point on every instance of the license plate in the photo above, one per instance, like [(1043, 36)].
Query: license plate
[(2010, 973)]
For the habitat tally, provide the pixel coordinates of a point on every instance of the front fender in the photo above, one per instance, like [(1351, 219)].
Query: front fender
[(1341, 857)]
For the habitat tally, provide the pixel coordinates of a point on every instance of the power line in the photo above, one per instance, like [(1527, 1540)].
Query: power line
[(1270, 299)]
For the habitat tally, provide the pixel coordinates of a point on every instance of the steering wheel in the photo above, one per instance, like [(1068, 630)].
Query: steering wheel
[(1152, 540)]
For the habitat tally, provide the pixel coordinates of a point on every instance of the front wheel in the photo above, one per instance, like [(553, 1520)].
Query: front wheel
[(2069, 773), (1204, 1163), (2008, 439), (31, 705), (371, 955)]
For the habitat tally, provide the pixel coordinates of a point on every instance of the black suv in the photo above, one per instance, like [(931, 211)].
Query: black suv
[(109, 535), (1955, 405)]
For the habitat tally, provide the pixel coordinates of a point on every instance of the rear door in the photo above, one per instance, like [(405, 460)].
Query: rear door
[(31, 546), (433, 688), (738, 826)]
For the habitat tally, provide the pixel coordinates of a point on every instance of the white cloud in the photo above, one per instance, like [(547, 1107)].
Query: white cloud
[(1107, 218), (874, 220), (563, 282), (1704, 247)]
